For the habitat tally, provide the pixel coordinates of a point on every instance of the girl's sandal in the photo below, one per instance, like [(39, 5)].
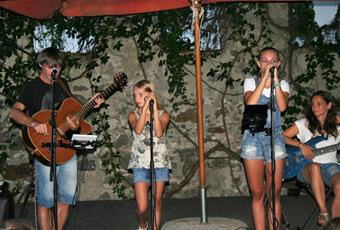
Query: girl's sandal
[(323, 218)]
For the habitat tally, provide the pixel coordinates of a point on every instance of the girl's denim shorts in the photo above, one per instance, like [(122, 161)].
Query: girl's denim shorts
[(143, 175)]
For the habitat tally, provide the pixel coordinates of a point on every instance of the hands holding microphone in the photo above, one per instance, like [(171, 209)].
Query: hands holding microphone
[(270, 74), (150, 100)]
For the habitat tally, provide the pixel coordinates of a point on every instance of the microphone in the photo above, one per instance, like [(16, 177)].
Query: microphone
[(151, 102), (271, 70), (54, 72)]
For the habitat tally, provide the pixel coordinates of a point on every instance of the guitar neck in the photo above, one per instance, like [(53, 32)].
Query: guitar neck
[(86, 108), (106, 93), (326, 149), (119, 82)]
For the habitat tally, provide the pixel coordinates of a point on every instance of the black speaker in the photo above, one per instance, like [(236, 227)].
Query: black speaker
[(254, 118), (6, 204)]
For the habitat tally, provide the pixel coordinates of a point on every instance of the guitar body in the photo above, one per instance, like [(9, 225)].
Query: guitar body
[(295, 159), (66, 126), (69, 121)]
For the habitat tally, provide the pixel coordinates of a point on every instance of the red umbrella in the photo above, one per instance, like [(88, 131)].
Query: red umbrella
[(43, 9)]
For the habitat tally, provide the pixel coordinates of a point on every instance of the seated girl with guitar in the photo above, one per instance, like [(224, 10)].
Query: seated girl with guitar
[(314, 152)]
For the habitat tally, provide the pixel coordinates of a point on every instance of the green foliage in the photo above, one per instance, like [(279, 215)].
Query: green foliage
[(110, 159), (320, 61), (168, 36)]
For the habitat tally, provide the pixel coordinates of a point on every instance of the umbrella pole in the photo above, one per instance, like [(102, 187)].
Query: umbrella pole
[(197, 6)]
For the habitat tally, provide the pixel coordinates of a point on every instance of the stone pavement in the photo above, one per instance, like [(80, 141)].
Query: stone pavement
[(214, 223), (181, 214)]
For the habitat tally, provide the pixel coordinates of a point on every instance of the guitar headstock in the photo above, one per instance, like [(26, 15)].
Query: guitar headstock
[(120, 81)]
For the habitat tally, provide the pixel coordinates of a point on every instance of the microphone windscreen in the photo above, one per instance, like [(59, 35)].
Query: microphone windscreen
[(271, 70), (54, 72)]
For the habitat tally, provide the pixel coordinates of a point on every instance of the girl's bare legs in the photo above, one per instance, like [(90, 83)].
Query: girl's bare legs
[(312, 173), (159, 195), (141, 196), (255, 176), (279, 164), (336, 200)]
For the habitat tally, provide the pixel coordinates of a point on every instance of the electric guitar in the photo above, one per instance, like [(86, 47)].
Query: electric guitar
[(69, 121), (296, 160)]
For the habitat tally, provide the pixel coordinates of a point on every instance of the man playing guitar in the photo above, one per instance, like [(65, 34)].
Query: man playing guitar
[(35, 96), (322, 124)]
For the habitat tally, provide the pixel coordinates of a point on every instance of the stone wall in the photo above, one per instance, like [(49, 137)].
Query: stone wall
[(222, 116)]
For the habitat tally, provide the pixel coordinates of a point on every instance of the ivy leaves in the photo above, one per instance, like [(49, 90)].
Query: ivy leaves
[(168, 36)]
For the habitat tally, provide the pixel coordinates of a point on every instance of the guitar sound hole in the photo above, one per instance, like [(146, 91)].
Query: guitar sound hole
[(69, 133)]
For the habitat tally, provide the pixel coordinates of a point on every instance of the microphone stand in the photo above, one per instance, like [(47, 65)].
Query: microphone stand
[(53, 146), (152, 169), (272, 145)]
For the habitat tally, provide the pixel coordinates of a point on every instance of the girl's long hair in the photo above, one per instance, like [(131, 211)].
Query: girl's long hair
[(145, 84), (330, 125)]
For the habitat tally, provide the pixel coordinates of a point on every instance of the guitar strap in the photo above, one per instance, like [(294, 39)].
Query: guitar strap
[(66, 89)]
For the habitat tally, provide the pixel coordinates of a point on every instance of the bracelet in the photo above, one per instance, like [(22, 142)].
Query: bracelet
[(276, 85)]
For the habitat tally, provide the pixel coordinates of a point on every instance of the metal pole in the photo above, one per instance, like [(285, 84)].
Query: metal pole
[(197, 5)]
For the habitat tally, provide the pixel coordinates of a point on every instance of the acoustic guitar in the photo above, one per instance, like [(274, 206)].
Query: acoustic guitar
[(69, 121), (296, 160)]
